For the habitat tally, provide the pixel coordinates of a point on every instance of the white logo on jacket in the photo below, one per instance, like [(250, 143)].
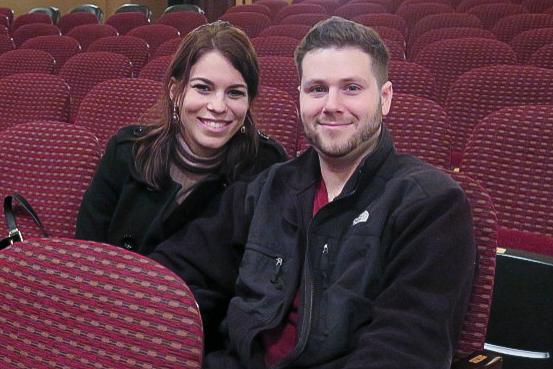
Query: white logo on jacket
[(361, 218)]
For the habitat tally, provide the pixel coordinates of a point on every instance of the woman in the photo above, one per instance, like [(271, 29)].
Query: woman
[(154, 179)]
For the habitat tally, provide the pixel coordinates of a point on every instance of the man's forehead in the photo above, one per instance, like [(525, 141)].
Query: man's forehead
[(337, 64)]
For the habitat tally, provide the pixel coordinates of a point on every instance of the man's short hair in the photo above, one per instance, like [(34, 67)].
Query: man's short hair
[(339, 32)]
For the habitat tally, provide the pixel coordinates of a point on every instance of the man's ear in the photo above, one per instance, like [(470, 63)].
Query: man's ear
[(386, 92)]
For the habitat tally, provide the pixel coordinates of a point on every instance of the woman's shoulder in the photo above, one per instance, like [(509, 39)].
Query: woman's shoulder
[(270, 148), (129, 134)]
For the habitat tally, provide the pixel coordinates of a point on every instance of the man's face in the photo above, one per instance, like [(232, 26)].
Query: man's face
[(341, 104)]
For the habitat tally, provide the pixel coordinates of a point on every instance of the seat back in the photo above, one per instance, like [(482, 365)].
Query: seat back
[(526, 43), (275, 45), (465, 5), (536, 6), (349, 11), (387, 20), (184, 21), (168, 48), (6, 44), (279, 72), (135, 8), (89, 8), (28, 31), (26, 61), (251, 8), (274, 5), (116, 103), (124, 22), (446, 20), (251, 23), (507, 28), (508, 153), (295, 9), (414, 12), (441, 34), (297, 31), (156, 68), (88, 33), (94, 305), (411, 78), (307, 19), (51, 165), (85, 70), (543, 57), (31, 18), (419, 127), (154, 34), (60, 47), (276, 114), (71, 20), (134, 48), (490, 14)]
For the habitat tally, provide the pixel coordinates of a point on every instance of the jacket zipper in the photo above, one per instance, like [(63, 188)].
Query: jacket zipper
[(324, 265)]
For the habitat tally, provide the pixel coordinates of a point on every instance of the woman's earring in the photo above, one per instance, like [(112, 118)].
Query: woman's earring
[(175, 114), (243, 129)]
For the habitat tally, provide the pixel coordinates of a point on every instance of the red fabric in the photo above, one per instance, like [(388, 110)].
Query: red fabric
[(533, 242), (280, 341)]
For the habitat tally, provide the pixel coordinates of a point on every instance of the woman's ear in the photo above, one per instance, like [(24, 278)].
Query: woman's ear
[(173, 90)]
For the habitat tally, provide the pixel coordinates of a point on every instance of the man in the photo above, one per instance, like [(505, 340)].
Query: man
[(350, 256)]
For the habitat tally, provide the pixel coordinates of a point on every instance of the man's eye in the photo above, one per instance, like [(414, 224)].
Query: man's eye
[(317, 89), (352, 88)]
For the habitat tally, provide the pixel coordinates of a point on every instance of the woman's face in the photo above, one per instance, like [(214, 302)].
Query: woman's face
[(213, 105)]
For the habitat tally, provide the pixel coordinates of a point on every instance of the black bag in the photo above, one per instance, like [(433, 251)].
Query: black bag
[(14, 234)]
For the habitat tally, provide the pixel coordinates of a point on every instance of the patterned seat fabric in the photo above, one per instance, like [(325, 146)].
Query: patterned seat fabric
[(69, 21), (116, 103), (395, 50), (134, 48), (482, 91), (419, 127), (329, 5), (51, 165), (349, 11), (385, 3), (536, 6), (543, 57), (490, 14), (526, 43), (276, 114), (30, 18), (124, 22), (251, 8), (509, 153), (465, 5), (88, 33), (29, 31), (155, 35), (156, 68), (305, 19), (297, 31), (251, 23), (295, 9), (507, 28), (32, 96), (168, 48), (390, 33), (275, 45), (274, 5), (6, 44), (26, 61), (446, 34), (85, 70), (387, 20), (279, 72), (411, 78), (446, 20), (448, 59), (412, 13), (183, 21), (475, 323), (60, 47), (94, 305)]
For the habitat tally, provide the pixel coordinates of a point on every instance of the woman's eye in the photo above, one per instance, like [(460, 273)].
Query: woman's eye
[(236, 93), (200, 87)]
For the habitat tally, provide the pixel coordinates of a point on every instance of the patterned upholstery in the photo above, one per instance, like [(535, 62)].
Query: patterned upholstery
[(251, 8), (536, 6), (275, 45), (509, 153), (124, 22), (329, 5), (60, 47), (69, 21), (349, 11), (412, 13), (156, 68), (116, 103), (134, 48), (419, 127), (507, 28), (26, 61), (154, 34), (475, 323), (482, 91), (88, 33), (526, 43), (274, 5), (85, 70), (446, 20), (50, 164), (411, 78), (385, 3), (298, 9), (169, 47), (297, 31), (543, 57), (305, 19), (390, 33), (395, 50), (81, 304), (448, 59), (280, 72), (251, 23), (32, 96), (387, 20), (183, 21), (28, 31), (465, 5), (490, 14), (31, 18), (276, 114), (446, 34), (6, 44)]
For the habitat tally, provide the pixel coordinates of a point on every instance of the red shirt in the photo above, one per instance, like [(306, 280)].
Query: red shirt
[(280, 341)]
